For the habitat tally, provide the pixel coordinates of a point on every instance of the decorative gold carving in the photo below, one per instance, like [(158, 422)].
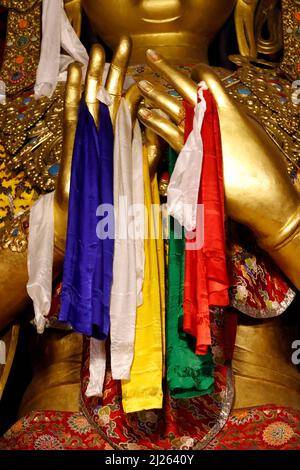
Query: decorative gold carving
[(32, 132), (268, 14), (291, 37), (14, 235), (267, 95), (22, 49), (19, 5)]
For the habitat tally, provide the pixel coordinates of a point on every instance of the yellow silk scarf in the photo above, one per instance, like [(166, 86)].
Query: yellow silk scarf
[(144, 389)]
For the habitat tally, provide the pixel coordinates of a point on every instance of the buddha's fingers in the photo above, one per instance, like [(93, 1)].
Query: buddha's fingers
[(180, 82), (93, 80), (257, 184), (72, 101), (71, 106), (163, 127), (170, 105), (117, 72), (133, 97), (205, 72), (154, 146)]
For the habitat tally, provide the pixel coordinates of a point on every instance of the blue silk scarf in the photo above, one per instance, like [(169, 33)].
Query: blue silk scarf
[(87, 273)]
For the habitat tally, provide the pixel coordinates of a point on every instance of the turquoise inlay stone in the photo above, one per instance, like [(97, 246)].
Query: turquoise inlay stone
[(26, 100), (244, 91), (16, 76), (32, 140), (230, 80), (173, 93), (20, 116), (15, 232), (283, 100), (53, 170), (22, 41)]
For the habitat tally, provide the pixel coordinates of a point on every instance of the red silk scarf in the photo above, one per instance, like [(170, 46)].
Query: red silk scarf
[(206, 281)]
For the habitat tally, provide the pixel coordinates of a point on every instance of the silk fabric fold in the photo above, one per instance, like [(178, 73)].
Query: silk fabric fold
[(144, 389), (184, 183), (128, 265), (188, 374), (206, 281), (87, 274), (40, 258), (57, 33)]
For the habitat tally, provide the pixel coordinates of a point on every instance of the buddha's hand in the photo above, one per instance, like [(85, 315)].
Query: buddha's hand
[(13, 266), (258, 190), (114, 85)]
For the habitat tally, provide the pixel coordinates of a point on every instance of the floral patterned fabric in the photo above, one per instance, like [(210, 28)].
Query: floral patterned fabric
[(257, 286), (263, 428), (52, 430), (182, 423)]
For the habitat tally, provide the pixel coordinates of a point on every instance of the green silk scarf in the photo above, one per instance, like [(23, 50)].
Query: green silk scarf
[(188, 375)]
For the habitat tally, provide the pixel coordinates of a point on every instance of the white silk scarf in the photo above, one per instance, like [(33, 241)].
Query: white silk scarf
[(40, 258), (128, 265), (57, 34), (185, 180)]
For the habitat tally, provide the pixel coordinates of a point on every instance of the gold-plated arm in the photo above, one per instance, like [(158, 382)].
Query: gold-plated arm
[(11, 342), (244, 25), (13, 279)]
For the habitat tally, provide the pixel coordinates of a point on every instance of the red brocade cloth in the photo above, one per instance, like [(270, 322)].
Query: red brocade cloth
[(262, 428), (206, 282), (180, 424)]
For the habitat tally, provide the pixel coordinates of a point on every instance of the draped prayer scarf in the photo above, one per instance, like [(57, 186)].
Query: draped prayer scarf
[(184, 183), (188, 375), (40, 258), (87, 274), (128, 263), (206, 281), (144, 389), (57, 33)]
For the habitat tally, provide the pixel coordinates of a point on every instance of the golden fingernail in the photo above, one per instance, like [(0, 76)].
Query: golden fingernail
[(152, 54), (145, 85), (145, 113)]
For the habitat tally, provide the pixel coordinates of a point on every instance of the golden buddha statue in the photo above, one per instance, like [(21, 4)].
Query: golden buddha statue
[(180, 33), (260, 140)]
